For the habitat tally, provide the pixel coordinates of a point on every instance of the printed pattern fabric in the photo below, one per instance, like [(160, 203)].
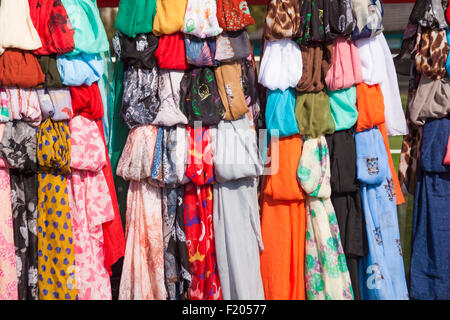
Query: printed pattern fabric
[(24, 105), (56, 256), (90, 206), (233, 15), (140, 103), (200, 19), (176, 260), (4, 109), (143, 266), (18, 148), (198, 219), (8, 273), (326, 271)]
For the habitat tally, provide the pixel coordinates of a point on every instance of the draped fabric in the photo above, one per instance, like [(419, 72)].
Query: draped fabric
[(23, 104), (143, 266), (20, 69), (49, 68), (233, 15), (8, 275), (53, 26), (56, 256), (18, 148), (90, 206), (135, 17), (200, 19), (169, 16)]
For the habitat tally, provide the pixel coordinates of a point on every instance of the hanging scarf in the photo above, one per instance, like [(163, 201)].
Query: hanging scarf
[(50, 70), (143, 267), (176, 259), (18, 148), (169, 95), (327, 276), (55, 104), (138, 52), (169, 16), (53, 26), (282, 19), (135, 16), (229, 84), (232, 46), (313, 114), (280, 116), (338, 19), (16, 27), (56, 255), (198, 211), (20, 69), (24, 105), (200, 98), (200, 19), (8, 279), (200, 52), (140, 103), (430, 13), (80, 69), (171, 52), (250, 86), (90, 35), (4, 106), (382, 275), (317, 60), (368, 15), (233, 15), (281, 66), (343, 107), (370, 106), (87, 101), (89, 213)]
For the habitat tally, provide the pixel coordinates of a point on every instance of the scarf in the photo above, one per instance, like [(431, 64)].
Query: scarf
[(171, 52), (169, 16), (200, 52), (138, 52), (24, 105), (370, 106), (53, 26), (87, 101), (343, 107), (280, 113), (281, 66), (80, 69), (135, 17), (20, 69), (282, 20), (233, 15), (232, 46), (430, 14), (4, 106), (200, 19), (368, 15), (55, 103)]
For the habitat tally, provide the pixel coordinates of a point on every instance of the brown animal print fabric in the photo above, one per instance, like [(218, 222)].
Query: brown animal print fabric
[(282, 19), (432, 51)]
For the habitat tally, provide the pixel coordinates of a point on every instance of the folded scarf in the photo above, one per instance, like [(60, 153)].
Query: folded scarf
[(55, 103), (280, 113), (229, 84), (338, 19), (169, 113), (50, 70), (135, 16), (200, 19), (140, 103), (370, 105), (136, 160), (200, 165), (5, 112), (18, 149), (368, 15), (313, 114), (232, 46), (90, 35), (281, 66), (88, 157), (138, 52), (24, 105), (20, 69), (80, 69), (169, 16), (250, 85), (16, 27), (378, 67), (53, 26), (236, 153), (317, 59), (171, 53), (432, 52), (282, 19), (346, 68), (432, 100), (343, 107), (327, 276), (87, 101), (233, 15), (200, 52), (200, 98), (430, 14)]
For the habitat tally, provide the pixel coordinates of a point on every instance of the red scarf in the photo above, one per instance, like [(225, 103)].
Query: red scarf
[(87, 101)]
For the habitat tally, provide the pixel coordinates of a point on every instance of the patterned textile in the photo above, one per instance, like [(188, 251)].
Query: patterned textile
[(24, 105), (56, 255), (18, 148), (200, 19), (327, 276), (282, 19), (233, 15), (90, 206)]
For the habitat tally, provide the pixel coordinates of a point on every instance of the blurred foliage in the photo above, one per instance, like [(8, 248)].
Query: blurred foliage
[(259, 15)]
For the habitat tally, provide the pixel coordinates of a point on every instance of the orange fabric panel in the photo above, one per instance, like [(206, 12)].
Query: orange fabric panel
[(370, 103), (398, 191)]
